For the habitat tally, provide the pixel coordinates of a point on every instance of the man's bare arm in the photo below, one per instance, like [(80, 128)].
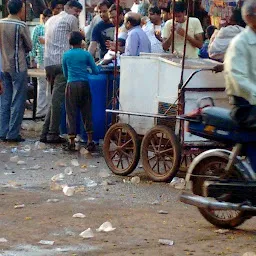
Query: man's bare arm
[(92, 47)]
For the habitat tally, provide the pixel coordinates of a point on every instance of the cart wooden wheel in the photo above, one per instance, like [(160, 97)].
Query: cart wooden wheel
[(121, 149), (160, 153)]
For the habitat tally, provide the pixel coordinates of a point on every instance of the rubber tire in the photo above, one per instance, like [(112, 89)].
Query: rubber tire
[(136, 141), (197, 190), (176, 152)]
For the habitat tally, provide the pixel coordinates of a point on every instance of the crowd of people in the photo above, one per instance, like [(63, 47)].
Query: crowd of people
[(57, 46)]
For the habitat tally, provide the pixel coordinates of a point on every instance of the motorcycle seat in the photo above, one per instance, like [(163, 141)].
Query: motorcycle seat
[(219, 118)]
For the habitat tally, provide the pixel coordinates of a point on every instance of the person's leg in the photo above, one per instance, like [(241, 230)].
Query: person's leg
[(58, 97), (50, 75), (19, 81), (85, 105), (71, 108), (5, 105), (42, 103)]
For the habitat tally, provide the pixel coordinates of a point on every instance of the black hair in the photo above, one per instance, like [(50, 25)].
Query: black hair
[(47, 13), (14, 6), (54, 3), (237, 17), (180, 7), (154, 9), (74, 3), (75, 38), (210, 30), (104, 3), (167, 8), (113, 8), (134, 22)]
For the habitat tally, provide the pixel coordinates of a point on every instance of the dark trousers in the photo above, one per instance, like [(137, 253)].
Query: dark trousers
[(58, 82), (243, 112), (78, 97)]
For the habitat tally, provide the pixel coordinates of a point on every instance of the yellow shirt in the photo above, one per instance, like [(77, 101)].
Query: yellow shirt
[(194, 28), (240, 66)]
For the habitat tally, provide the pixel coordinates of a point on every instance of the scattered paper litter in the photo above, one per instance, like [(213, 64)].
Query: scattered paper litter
[(90, 183), (135, 180), (68, 191), (40, 145), (105, 227), (57, 177), (88, 233), (68, 171), (92, 166), (166, 242), (249, 254), (74, 162), (222, 231), (78, 215), (162, 212), (21, 162), (61, 163), (35, 167), (45, 242), (52, 200), (178, 183), (19, 206), (14, 159), (3, 240)]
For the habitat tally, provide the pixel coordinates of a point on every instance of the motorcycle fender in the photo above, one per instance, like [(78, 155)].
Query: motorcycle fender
[(243, 167)]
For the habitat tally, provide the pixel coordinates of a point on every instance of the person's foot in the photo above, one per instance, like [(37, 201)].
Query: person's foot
[(54, 139), (18, 139), (69, 146), (2, 139), (43, 139), (90, 146)]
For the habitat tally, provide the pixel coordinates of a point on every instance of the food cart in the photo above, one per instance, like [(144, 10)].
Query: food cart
[(151, 95)]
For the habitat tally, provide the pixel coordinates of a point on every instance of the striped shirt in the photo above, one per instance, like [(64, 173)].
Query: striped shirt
[(57, 30), (15, 42), (38, 48)]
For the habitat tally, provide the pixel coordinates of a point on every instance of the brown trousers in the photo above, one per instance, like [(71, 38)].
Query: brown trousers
[(78, 97)]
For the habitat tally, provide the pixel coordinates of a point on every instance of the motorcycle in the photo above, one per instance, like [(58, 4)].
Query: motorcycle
[(223, 181)]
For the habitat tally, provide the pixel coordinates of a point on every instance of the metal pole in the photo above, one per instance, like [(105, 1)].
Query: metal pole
[(173, 24), (185, 46)]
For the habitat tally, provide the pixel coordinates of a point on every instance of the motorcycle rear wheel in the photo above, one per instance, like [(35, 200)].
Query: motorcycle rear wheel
[(214, 166)]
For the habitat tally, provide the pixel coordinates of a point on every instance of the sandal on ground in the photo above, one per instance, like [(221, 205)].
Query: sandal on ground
[(69, 146)]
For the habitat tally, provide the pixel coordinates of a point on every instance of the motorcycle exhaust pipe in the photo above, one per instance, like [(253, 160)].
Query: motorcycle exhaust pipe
[(209, 203)]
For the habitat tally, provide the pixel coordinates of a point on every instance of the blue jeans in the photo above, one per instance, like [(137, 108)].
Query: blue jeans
[(12, 104)]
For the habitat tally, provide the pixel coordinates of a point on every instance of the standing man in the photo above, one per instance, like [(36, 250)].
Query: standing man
[(37, 61), (102, 32), (137, 40), (57, 30), (166, 12), (240, 69), (195, 33), (15, 43), (154, 28)]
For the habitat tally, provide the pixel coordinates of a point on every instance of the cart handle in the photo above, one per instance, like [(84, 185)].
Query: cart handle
[(192, 75)]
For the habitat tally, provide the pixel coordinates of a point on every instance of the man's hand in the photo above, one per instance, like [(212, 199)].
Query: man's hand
[(1, 88), (218, 68), (181, 32), (110, 45), (41, 40), (158, 36)]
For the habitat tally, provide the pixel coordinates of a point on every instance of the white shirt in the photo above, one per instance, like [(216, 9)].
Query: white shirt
[(57, 30), (240, 66), (135, 8), (150, 29)]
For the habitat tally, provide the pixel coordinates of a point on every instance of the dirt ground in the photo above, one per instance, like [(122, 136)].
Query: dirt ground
[(131, 208)]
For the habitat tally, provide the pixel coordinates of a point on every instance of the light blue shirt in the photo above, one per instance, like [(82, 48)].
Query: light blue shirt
[(137, 42)]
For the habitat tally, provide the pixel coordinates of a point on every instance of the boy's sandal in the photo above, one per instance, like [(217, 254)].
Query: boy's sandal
[(69, 147)]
